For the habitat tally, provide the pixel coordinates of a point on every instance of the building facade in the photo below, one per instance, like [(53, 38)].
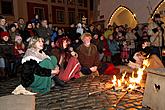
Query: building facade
[(130, 12), (60, 13)]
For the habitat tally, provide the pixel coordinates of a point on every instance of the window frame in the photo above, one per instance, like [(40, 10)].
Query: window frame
[(71, 18), (74, 2), (41, 17), (60, 2), (59, 22), (12, 8)]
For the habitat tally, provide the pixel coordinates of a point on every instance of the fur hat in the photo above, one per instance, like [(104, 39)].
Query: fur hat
[(4, 34)]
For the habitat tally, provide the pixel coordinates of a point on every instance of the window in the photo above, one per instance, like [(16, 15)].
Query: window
[(71, 17), (83, 3), (71, 2), (60, 16), (60, 1), (6, 7), (80, 15), (53, 1), (40, 12), (91, 5), (80, 2)]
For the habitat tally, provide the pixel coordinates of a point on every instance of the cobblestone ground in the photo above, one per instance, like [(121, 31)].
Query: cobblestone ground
[(77, 97)]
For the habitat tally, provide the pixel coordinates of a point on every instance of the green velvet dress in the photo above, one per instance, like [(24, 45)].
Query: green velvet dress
[(42, 84)]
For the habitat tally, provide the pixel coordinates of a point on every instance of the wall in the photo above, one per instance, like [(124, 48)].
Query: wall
[(138, 7), (24, 8)]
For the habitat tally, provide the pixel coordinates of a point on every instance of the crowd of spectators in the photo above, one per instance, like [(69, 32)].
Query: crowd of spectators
[(114, 44)]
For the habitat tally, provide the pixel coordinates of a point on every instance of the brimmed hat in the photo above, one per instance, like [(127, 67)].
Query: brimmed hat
[(4, 34), (86, 35)]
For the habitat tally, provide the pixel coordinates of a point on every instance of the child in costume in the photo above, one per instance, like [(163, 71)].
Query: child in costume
[(125, 52)]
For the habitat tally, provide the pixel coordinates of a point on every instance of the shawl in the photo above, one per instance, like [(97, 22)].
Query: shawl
[(32, 54)]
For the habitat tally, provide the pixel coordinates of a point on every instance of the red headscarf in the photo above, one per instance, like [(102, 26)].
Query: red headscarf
[(4, 34)]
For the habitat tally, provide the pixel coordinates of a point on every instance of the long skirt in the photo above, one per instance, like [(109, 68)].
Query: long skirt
[(71, 69), (41, 84)]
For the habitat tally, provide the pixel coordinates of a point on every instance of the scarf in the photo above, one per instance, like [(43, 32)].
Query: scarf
[(31, 53)]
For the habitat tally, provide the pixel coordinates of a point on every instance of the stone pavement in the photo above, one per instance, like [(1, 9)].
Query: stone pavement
[(76, 96)]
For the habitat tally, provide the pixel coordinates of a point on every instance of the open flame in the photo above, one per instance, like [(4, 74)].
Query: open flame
[(114, 80), (133, 81)]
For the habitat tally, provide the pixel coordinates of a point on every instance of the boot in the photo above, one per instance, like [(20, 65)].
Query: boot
[(58, 82)]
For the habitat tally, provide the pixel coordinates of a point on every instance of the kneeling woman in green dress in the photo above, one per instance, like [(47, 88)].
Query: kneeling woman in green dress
[(37, 69)]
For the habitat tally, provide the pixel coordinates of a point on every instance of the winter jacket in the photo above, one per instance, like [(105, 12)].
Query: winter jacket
[(6, 49)]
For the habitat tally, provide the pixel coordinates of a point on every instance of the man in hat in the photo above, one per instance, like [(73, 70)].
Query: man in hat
[(88, 55), (156, 30)]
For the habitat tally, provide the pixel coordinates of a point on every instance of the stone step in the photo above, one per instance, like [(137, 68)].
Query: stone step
[(17, 102)]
